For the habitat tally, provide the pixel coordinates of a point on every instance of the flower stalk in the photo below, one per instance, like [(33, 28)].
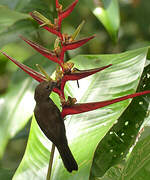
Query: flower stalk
[(49, 172)]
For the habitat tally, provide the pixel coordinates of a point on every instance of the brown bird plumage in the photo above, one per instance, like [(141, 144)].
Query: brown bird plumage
[(51, 123)]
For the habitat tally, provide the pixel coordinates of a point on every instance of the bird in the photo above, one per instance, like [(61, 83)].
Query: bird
[(49, 119)]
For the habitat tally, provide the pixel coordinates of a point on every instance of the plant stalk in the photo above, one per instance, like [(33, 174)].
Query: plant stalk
[(49, 172)]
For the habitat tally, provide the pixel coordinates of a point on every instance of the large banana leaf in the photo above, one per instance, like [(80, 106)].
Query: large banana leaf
[(119, 139), (84, 131), (137, 165)]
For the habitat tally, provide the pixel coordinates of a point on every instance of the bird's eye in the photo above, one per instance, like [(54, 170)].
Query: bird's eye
[(47, 87)]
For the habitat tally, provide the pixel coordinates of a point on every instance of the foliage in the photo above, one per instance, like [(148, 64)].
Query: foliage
[(100, 140)]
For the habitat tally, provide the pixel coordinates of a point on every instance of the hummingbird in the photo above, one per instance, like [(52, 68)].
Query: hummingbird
[(50, 121)]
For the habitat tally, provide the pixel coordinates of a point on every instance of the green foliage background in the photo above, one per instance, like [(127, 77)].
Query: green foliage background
[(119, 26)]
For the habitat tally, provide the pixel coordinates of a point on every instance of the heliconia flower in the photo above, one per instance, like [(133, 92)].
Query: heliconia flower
[(78, 107), (85, 107), (51, 55), (55, 29), (35, 75), (70, 106), (57, 5), (79, 74), (74, 45), (76, 75), (45, 52), (65, 13), (45, 24)]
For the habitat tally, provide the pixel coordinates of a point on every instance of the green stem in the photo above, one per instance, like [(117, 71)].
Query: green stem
[(50, 163)]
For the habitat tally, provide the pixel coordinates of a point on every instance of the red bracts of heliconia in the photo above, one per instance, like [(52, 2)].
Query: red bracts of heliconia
[(74, 45), (78, 107), (79, 74), (35, 75), (59, 92), (85, 107), (58, 6), (58, 57), (51, 55), (48, 28), (75, 108), (45, 52), (65, 13)]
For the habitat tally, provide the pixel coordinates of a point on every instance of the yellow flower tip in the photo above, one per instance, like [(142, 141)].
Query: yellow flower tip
[(43, 19), (77, 31), (56, 44), (68, 66), (58, 75), (47, 24), (41, 69), (57, 51), (60, 8), (63, 101), (67, 38), (70, 101)]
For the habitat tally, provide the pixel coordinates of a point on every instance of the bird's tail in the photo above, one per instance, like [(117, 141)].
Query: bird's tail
[(67, 157)]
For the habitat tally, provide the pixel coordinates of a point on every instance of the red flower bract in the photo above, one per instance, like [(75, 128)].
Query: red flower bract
[(46, 26), (45, 52), (79, 74), (65, 13), (35, 75), (85, 107)]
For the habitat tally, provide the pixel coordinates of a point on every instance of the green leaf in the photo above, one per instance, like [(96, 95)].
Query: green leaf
[(11, 34), (18, 103), (9, 3), (84, 131), (117, 142), (26, 6), (9, 17), (113, 173), (138, 164), (6, 174), (45, 7), (107, 11), (17, 21)]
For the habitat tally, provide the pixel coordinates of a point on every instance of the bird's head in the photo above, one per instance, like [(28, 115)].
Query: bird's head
[(43, 90)]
